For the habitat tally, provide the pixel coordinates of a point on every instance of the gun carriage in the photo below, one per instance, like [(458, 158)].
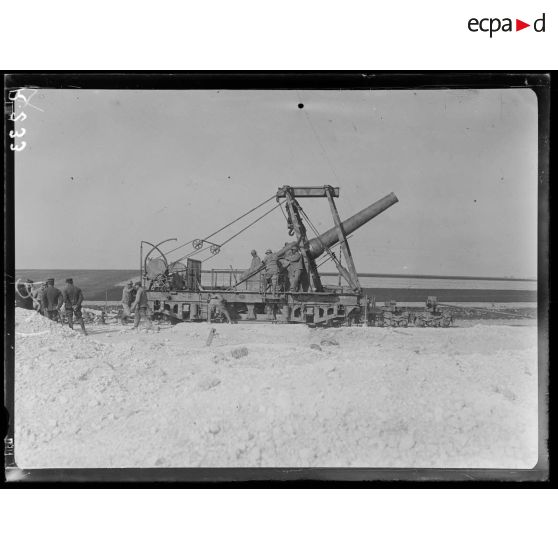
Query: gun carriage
[(176, 290)]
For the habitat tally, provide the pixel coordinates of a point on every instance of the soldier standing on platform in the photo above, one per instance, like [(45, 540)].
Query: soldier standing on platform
[(296, 267), (256, 262), (271, 271)]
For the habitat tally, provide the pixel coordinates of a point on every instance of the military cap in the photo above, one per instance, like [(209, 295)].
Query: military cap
[(69, 280), (268, 251)]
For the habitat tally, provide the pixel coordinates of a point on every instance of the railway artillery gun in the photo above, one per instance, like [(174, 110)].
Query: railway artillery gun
[(175, 288)]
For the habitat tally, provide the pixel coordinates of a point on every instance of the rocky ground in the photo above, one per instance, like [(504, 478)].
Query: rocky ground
[(275, 396)]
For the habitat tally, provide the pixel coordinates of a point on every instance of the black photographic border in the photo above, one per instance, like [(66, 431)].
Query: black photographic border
[(539, 82)]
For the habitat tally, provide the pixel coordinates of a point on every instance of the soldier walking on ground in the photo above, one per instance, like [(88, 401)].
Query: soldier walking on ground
[(219, 304), (128, 297), (141, 307), (51, 301), (73, 299)]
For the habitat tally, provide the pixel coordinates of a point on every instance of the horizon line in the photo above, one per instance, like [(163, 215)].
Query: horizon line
[(325, 273)]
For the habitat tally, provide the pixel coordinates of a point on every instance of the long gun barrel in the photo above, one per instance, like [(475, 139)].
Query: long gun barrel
[(318, 245)]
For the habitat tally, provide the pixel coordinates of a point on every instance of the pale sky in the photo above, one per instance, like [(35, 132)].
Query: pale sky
[(103, 170)]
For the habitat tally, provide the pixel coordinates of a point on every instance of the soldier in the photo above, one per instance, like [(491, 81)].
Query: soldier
[(52, 301), (128, 297), (296, 267), (284, 276), (73, 299), (141, 307), (271, 271), (219, 304), (37, 294), (256, 262)]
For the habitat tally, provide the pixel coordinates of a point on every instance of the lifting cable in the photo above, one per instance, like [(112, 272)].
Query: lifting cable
[(193, 253), (178, 247), (326, 248), (284, 215), (222, 228), (310, 224), (329, 258), (190, 254), (314, 230), (279, 204), (329, 251), (238, 219)]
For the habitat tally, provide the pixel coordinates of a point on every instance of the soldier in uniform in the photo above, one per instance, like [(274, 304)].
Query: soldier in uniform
[(296, 267), (256, 262), (218, 304), (271, 271), (51, 301), (73, 299), (128, 297), (141, 307), (37, 294)]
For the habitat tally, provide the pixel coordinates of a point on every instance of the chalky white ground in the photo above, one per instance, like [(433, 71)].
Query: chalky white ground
[(300, 397)]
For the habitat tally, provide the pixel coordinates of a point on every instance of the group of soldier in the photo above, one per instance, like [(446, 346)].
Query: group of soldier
[(280, 273), (48, 300), (134, 299), (279, 270)]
